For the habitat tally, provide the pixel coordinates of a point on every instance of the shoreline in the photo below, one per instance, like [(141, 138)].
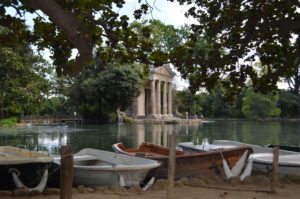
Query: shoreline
[(170, 121), (245, 119)]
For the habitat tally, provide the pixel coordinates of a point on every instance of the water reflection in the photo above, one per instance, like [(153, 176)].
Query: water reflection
[(49, 137)]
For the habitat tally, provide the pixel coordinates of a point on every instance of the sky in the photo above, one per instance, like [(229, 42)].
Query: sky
[(168, 12)]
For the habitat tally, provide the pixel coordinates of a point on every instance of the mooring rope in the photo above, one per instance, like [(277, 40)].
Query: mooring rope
[(231, 189)]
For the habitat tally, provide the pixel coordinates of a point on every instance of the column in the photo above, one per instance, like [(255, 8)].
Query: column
[(141, 109), (158, 103), (152, 98), (170, 99), (165, 108)]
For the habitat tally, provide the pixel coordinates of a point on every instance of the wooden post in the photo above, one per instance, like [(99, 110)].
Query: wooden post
[(171, 165), (274, 178), (66, 172)]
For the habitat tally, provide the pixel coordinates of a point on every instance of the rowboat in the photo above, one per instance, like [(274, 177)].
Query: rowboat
[(289, 161), (94, 167), (187, 164), (21, 168)]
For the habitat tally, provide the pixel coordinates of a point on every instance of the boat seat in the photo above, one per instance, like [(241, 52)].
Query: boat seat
[(84, 157), (153, 154), (78, 158)]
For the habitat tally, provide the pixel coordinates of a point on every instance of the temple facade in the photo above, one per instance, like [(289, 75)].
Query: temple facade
[(155, 100)]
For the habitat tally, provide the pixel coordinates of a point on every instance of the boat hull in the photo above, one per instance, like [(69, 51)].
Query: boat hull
[(282, 169), (202, 164), (197, 164), (287, 164), (289, 161), (94, 167), (28, 165), (29, 173), (93, 178)]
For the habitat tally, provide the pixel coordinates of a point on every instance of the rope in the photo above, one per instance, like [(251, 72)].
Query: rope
[(261, 171), (54, 170), (63, 158), (230, 189), (155, 176), (222, 154), (66, 156), (37, 173), (14, 170)]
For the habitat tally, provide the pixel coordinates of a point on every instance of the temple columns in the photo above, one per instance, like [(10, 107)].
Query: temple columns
[(155, 101)]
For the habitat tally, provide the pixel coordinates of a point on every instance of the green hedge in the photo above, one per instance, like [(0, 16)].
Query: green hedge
[(10, 122)]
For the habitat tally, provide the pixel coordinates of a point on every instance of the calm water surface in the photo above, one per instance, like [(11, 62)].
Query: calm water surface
[(51, 136)]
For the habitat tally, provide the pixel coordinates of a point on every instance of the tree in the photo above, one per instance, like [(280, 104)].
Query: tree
[(23, 85), (119, 84), (163, 37), (294, 82), (244, 30), (187, 102), (55, 106), (66, 25), (289, 104), (98, 91), (257, 105)]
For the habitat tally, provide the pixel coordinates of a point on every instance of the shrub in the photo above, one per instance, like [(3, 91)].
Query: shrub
[(10, 122)]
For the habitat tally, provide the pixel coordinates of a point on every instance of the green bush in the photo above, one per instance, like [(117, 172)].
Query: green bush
[(128, 120), (10, 122)]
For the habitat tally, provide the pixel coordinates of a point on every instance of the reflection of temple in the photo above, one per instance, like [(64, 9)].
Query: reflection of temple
[(158, 133), (155, 100)]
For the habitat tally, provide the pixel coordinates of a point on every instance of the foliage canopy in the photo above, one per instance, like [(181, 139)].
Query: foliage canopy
[(100, 90), (238, 32), (23, 84), (66, 25), (257, 105), (230, 36)]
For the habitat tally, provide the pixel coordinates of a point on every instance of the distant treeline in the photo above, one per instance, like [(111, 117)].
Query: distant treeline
[(248, 105)]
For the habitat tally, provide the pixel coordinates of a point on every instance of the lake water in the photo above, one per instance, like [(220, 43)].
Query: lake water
[(51, 136)]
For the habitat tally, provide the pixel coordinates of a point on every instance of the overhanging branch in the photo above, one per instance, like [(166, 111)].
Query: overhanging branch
[(70, 24)]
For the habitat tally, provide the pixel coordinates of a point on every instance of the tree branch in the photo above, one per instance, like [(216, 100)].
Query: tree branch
[(70, 25)]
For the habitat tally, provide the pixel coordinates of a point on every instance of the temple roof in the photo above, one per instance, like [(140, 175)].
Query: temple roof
[(164, 70)]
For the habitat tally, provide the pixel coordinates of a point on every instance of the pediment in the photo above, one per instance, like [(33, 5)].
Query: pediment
[(164, 70)]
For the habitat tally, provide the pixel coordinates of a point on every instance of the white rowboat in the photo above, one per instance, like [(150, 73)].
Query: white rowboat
[(94, 167)]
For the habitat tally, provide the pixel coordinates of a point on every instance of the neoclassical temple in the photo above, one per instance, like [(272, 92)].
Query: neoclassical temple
[(155, 100)]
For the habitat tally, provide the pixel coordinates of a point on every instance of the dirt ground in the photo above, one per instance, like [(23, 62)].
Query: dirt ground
[(289, 191), (252, 188)]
